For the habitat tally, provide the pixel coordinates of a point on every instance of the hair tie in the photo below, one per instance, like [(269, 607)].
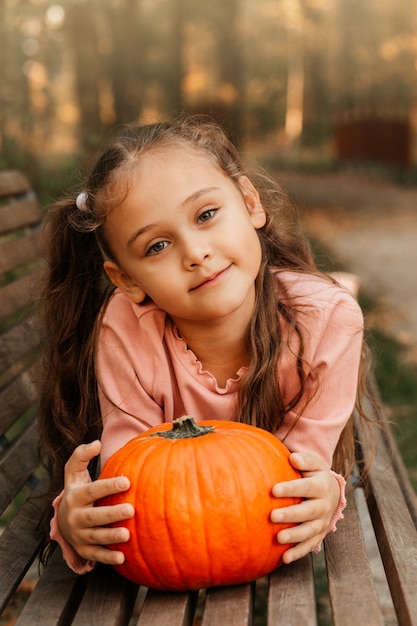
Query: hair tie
[(81, 201)]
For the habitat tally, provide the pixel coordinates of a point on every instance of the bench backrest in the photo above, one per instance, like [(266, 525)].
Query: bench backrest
[(20, 218)]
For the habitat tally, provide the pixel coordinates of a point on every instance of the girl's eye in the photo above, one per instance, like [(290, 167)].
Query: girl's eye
[(157, 248), (206, 216)]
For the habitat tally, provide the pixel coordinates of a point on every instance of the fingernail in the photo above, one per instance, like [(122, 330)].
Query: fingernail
[(126, 510), (276, 516), (122, 483), (122, 534)]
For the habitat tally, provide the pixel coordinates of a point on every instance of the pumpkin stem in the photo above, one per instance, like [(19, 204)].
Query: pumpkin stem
[(184, 428)]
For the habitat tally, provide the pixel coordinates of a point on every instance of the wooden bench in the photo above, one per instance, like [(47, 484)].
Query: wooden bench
[(343, 577)]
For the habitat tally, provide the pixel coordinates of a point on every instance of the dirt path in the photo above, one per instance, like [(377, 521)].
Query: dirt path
[(370, 225)]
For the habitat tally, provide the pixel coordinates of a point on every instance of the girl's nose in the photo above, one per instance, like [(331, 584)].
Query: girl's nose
[(195, 253)]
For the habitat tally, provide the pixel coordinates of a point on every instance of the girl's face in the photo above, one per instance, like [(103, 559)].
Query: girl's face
[(185, 237)]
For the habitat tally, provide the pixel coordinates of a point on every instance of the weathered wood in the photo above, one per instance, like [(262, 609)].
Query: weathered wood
[(56, 597), (17, 463), (162, 608), (19, 214), (17, 295), (19, 251), (229, 605), (19, 395), (19, 544), (13, 183), (291, 599), (21, 340), (108, 599), (349, 573), (396, 535)]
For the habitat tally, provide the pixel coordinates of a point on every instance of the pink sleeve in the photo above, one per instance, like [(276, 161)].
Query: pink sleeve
[(336, 348), (72, 559), (125, 384)]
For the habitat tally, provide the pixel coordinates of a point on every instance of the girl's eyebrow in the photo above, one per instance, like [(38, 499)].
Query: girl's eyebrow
[(192, 198), (138, 233), (197, 194)]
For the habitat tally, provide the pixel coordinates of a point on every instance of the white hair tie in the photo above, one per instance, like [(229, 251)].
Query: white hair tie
[(81, 201)]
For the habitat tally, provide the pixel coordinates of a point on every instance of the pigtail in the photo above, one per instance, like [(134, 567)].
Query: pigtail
[(74, 292)]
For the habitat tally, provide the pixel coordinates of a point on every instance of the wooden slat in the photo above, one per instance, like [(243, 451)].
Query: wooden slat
[(19, 396), (401, 474), (19, 214), (108, 599), (395, 533), (13, 182), (291, 599), (18, 342), (17, 464), (55, 598), (229, 605), (20, 251), (18, 294), (162, 608), (349, 573), (19, 544)]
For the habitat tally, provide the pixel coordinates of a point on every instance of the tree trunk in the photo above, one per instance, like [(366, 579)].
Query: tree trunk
[(295, 69), (175, 93), (230, 62), (126, 62), (83, 41)]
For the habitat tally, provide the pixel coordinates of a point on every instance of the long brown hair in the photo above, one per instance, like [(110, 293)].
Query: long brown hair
[(76, 291)]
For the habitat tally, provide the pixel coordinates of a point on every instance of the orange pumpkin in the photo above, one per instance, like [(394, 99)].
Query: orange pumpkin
[(202, 498)]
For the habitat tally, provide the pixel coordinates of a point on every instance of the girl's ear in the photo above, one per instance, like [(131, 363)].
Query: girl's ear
[(120, 279), (253, 202)]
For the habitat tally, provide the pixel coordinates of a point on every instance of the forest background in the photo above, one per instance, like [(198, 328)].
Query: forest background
[(281, 75)]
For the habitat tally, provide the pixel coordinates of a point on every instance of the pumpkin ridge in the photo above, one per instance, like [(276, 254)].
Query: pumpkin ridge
[(208, 565), (240, 497), (280, 453), (172, 543), (253, 455), (226, 557), (141, 484)]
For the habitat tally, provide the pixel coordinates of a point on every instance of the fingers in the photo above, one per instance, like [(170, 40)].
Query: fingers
[(79, 509), (76, 466), (301, 549), (305, 536), (309, 520), (88, 532), (104, 515), (307, 461), (92, 537), (100, 554), (78, 496)]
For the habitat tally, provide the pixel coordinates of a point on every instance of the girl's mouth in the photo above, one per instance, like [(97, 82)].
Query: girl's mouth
[(212, 281)]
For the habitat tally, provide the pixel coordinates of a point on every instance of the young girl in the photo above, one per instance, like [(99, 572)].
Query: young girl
[(218, 311)]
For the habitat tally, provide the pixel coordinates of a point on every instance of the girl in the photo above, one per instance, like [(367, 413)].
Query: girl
[(218, 311)]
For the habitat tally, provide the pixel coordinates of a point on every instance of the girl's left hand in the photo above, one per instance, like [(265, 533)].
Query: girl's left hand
[(321, 493)]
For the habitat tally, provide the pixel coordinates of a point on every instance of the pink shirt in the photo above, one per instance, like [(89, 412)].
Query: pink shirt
[(147, 375)]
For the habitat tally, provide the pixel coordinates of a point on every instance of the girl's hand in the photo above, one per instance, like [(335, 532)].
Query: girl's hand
[(321, 492), (81, 523)]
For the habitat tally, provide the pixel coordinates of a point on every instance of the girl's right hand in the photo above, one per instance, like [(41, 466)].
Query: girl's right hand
[(82, 524)]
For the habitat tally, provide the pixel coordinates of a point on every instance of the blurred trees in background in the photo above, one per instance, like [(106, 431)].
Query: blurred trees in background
[(276, 73)]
